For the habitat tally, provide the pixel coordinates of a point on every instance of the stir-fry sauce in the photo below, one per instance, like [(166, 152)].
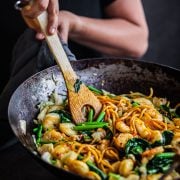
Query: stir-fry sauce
[(134, 137)]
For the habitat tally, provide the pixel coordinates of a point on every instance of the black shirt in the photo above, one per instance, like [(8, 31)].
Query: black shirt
[(87, 8)]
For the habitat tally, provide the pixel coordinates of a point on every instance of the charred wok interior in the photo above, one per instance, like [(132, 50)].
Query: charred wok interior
[(117, 76)]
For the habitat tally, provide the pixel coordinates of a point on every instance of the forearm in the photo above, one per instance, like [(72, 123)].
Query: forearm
[(111, 36)]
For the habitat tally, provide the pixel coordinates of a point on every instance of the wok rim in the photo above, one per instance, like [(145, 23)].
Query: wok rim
[(98, 59)]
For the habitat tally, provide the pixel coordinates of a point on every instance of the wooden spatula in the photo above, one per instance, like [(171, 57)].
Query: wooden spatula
[(77, 98)]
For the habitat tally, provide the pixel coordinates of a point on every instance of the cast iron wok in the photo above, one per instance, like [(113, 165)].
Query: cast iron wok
[(114, 74)]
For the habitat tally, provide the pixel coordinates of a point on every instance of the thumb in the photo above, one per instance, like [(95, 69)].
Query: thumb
[(63, 32)]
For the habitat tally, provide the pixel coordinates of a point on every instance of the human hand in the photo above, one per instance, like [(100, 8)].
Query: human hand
[(30, 12), (69, 25)]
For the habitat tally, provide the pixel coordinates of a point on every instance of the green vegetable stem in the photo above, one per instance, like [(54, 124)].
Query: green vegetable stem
[(38, 132), (90, 125), (101, 116), (90, 115), (97, 91)]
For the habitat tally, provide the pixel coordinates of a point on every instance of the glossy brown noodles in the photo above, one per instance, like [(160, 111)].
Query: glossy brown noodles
[(134, 137)]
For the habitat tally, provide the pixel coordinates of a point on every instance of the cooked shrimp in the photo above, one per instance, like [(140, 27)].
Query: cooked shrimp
[(67, 128), (121, 140), (116, 166), (42, 114), (177, 121), (92, 175), (142, 130), (52, 135), (126, 166), (60, 150), (155, 136), (154, 114), (50, 121), (46, 148), (133, 177), (176, 141), (99, 134), (122, 127), (71, 155), (55, 108), (78, 167), (154, 176), (103, 144)]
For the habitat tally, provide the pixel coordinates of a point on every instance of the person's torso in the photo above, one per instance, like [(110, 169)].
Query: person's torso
[(88, 8)]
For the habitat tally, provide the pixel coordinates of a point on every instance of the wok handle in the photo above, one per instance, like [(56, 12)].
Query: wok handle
[(57, 51)]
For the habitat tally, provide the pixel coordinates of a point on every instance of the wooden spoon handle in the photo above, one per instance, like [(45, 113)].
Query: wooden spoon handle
[(58, 51)]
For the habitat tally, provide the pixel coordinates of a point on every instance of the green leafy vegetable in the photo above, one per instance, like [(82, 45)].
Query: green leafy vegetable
[(97, 91), (168, 112), (64, 116), (87, 138), (64, 119), (136, 146), (77, 85), (135, 104), (160, 163), (88, 133), (167, 137), (109, 134)]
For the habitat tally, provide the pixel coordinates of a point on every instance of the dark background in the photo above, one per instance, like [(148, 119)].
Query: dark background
[(163, 17)]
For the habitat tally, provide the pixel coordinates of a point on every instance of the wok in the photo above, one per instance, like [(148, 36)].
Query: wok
[(116, 75)]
